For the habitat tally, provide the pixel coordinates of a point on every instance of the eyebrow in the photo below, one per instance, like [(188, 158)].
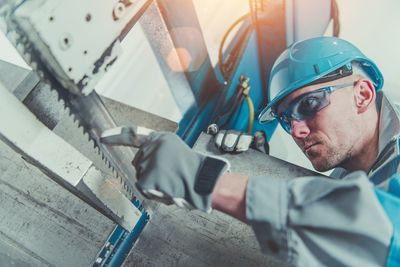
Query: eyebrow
[(279, 104)]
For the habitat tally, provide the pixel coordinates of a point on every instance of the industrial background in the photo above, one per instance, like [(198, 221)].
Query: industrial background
[(168, 77), (369, 24)]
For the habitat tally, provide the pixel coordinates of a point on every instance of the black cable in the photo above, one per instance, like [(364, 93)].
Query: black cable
[(221, 46), (233, 103), (240, 100), (226, 65)]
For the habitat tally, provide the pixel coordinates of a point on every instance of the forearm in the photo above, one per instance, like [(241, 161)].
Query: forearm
[(229, 195), (331, 215), (342, 219)]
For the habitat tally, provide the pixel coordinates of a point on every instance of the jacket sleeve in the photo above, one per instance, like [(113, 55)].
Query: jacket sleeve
[(316, 221)]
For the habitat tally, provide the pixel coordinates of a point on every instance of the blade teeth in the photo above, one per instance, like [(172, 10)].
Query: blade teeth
[(33, 65), (62, 100), (80, 125), (20, 48), (82, 128), (40, 73), (91, 141), (27, 57), (68, 111), (12, 36), (96, 146), (25, 48)]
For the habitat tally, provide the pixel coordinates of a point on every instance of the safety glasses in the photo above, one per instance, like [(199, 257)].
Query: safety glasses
[(306, 106)]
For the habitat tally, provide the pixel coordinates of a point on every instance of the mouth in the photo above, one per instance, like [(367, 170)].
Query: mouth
[(307, 147)]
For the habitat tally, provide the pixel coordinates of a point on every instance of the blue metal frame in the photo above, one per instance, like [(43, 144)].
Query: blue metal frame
[(120, 242), (197, 120)]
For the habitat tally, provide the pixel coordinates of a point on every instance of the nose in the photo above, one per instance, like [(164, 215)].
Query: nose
[(300, 129)]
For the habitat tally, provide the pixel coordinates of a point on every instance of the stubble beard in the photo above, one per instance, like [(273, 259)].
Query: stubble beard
[(334, 157)]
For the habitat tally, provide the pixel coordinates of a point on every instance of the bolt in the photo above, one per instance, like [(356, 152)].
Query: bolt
[(119, 11), (244, 81), (99, 260), (88, 17), (212, 129), (65, 41), (85, 81)]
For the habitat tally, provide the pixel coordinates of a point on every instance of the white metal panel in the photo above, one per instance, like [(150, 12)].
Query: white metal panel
[(68, 28), (306, 18)]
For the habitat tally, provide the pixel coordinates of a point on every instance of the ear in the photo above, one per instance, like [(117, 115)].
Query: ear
[(364, 95)]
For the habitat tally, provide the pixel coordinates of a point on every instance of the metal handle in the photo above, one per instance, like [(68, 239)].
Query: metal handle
[(133, 136)]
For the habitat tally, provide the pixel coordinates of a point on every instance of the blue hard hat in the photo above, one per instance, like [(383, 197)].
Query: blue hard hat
[(308, 61)]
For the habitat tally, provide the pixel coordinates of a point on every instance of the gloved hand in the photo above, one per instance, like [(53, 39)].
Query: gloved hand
[(171, 172)]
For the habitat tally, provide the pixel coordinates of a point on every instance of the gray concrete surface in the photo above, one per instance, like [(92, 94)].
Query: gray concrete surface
[(42, 224)]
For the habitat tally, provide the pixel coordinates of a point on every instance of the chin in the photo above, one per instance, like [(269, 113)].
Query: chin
[(321, 165), (322, 168), (320, 160)]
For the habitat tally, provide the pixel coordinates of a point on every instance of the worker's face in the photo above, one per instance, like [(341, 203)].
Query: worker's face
[(328, 137)]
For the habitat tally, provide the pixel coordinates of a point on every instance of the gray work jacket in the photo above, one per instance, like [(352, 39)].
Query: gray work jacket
[(315, 221)]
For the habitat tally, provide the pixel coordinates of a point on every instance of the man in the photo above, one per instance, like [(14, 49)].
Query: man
[(326, 94)]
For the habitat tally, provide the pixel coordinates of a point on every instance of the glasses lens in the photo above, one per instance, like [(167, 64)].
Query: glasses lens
[(285, 122), (305, 106), (309, 104)]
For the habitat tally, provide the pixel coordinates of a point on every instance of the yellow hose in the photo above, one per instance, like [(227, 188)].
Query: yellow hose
[(251, 114)]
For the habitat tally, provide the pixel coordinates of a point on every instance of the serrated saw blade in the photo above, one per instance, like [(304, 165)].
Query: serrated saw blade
[(86, 107)]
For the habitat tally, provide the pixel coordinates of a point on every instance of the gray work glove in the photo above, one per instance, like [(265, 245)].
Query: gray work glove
[(171, 172)]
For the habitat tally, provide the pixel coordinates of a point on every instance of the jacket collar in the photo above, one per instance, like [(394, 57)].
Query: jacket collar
[(389, 130), (389, 120)]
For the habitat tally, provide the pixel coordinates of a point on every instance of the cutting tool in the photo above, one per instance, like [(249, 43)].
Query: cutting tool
[(62, 52)]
